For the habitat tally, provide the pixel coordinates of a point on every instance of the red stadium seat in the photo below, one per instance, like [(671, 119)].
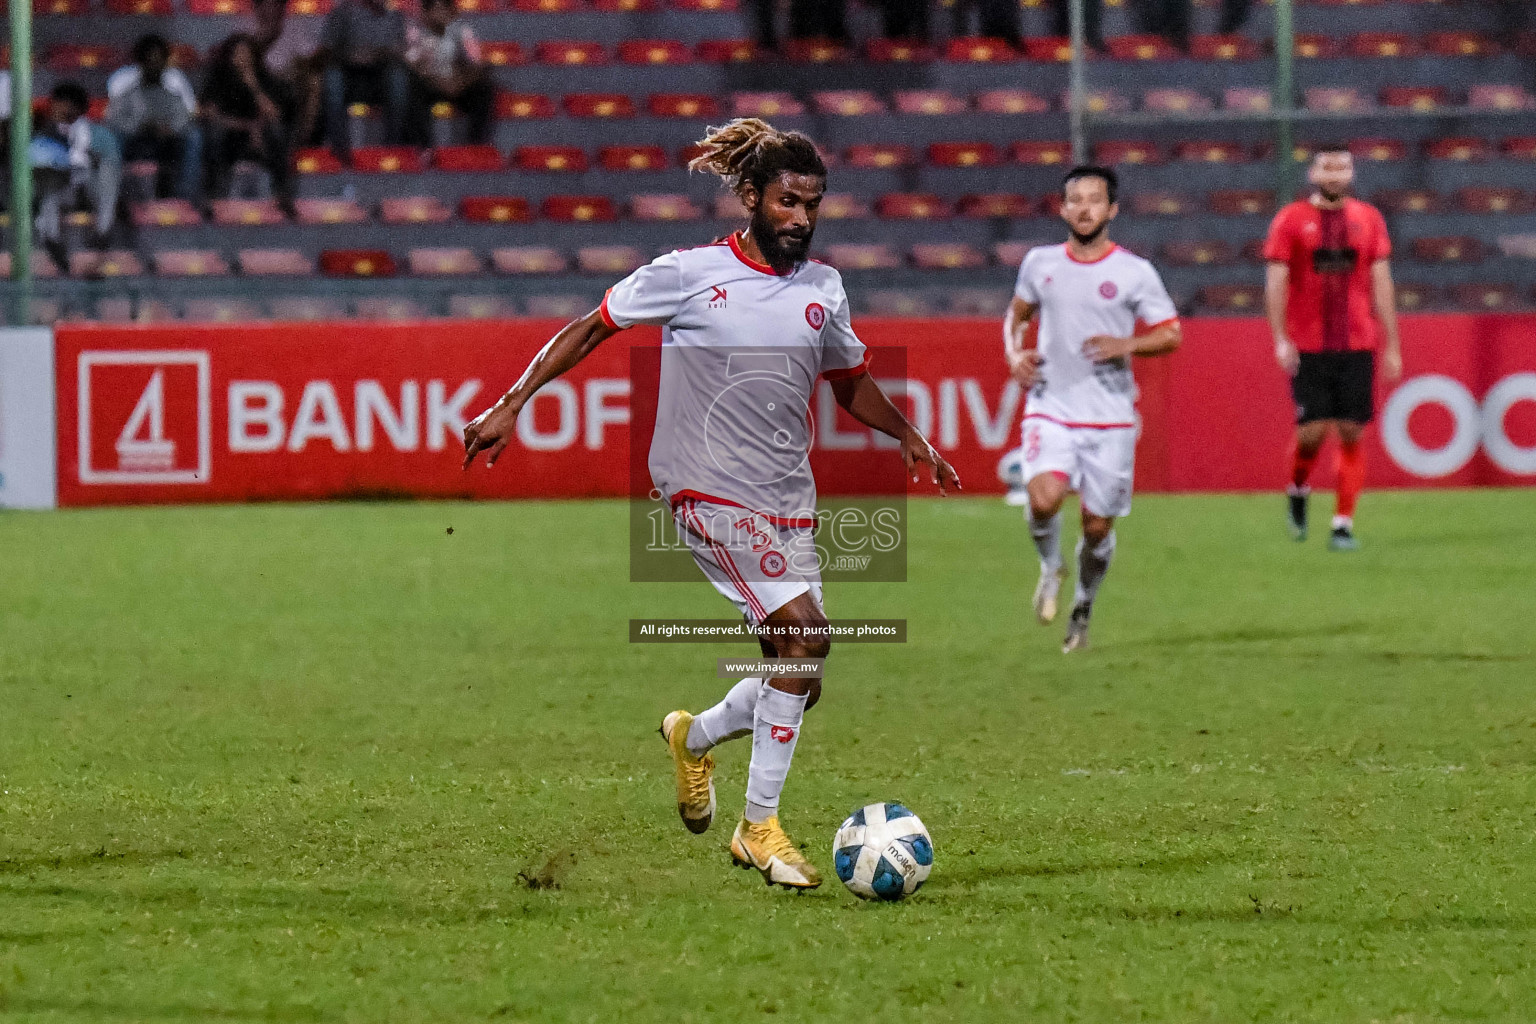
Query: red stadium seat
[(246, 212), (1162, 204), (478, 6), (947, 256), (1314, 46), (664, 207), (599, 104), (964, 154), (1459, 149), (528, 259), (765, 104), (726, 51), (995, 204), (1519, 246), (69, 58), (116, 310), (911, 206), (727, 207), (842, 206), (547, 6), (1127, 152), (1011, 101), (1199, 254), (1453, 249), (1409, 200), (680, 104), (1460, 44), (579, 209), (633, 158), (450, 262), (389, 307), (184, 56), (814, 51), (1416, 97), (274, 263), (1519, 147), (309, 8), (502, 54), (1336, 100), (1232, 299), (481, 307), (558, 307), (190, 263), (1487, 297), (1229, 47), (609, 260), (654, 51), (1379, 150), (1252, 99), (495, 209), (879, 156), (988, 303), (468, 158), (413, 210), (897, 51), (847, 103), (689, 153), (1043, 154), (60, 8), (862, 256), (1175, 101), (220, 311), (1253, 251), (165, 213), (1211, 151), (980, 50), (1101, 101), (1411, 297), (1048, 49), (897, 302), (1500, 97), (387, 159), (928, 102), (220, 7), (148, 8), (1383, 44), (1493, 200), (1242, 202), (550, 158), (316, 161), (1011, 254), (1142, 47), (570, 53), (357, 263), (517, 105), (625, 6), (329, 211)]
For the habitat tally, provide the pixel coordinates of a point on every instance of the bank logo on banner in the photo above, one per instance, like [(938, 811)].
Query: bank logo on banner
[(145, 418)]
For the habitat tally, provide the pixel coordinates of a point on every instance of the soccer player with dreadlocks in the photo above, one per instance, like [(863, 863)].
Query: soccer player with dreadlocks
[(749, 323)]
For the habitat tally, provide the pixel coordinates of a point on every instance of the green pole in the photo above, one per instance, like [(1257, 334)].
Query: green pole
[(21, 163), (1285, 97), (1078, 83)]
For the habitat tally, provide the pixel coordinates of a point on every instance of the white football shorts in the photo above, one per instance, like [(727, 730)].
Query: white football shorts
[(1099, 463), (759, 566)]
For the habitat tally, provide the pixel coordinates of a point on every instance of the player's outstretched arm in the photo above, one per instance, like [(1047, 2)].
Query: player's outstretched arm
[(491, 431), (870, 405), (1159, 341)]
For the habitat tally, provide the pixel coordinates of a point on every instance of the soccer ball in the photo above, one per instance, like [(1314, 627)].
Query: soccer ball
[(883, 852)]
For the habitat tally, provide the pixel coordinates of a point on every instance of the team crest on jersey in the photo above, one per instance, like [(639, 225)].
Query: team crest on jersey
[(815, 315), (773, 565), (1108, 290)]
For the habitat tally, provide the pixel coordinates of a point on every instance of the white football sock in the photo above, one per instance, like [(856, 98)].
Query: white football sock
[(773, 745), (728, 720), (1047, 537), (1344, 523), (1092, 565)]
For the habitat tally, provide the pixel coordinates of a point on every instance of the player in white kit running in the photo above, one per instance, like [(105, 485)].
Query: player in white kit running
[(749, 324), (1094, 306)]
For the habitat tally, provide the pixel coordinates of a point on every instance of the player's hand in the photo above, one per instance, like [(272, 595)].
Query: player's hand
[(1286, 356), (1024, 367), (916, 449), (1392, 365), (490, 432), (1101, 348)]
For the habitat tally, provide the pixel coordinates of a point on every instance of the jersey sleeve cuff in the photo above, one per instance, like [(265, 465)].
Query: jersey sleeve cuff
[(602, 311), (1163, 323), (856, 370)]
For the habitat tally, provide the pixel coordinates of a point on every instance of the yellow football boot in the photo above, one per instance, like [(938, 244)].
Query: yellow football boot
[(695, 775), (765, 846)]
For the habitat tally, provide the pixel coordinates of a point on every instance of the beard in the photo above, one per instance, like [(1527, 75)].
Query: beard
[(1089, 237), (780, 249), (1331, 195)]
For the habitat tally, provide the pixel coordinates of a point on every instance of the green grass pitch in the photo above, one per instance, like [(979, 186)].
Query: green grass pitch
[(297, 763)]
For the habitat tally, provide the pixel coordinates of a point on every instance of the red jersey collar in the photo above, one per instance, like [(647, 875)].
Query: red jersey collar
[(1108, 253), (761, 268)]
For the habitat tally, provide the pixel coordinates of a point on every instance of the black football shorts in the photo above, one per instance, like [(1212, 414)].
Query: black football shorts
[(1335, 386)]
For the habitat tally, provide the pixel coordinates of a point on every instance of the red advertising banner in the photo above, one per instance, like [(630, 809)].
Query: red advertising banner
[(293, 411)]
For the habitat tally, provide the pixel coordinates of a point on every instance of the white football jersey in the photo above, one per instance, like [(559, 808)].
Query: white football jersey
[(1078, 301), (742, 347)]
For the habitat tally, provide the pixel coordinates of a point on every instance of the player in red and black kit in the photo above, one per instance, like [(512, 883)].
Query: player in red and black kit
[(1330, 300)]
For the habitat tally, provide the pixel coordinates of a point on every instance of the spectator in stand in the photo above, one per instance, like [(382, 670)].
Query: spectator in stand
[(1514, 19), (1093, 18), (245, 112), (905, 19), (70, 154), (1169, 19), (288, 50), (153, 110), (444, 57), (362, 46), (1234, 15), (808, 19), (995, 19)]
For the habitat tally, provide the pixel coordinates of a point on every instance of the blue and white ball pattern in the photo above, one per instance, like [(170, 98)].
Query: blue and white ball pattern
[(883, 852)]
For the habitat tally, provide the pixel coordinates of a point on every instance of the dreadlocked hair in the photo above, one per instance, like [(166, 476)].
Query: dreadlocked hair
[(751, 152)]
